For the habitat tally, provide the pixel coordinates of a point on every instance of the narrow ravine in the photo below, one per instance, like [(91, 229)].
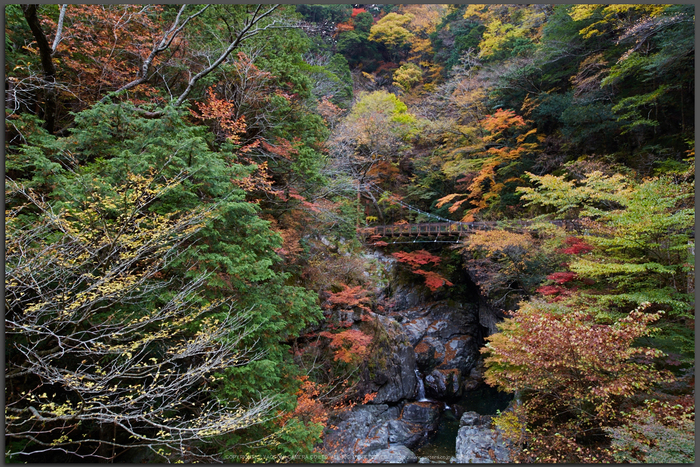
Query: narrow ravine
[(431, 378)]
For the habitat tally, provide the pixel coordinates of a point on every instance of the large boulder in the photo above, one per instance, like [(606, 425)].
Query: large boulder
[(444, 384), (377, 438), (357, 432), (406, 433), (425, 414), (398, 454), (470, 419), (479, 444)]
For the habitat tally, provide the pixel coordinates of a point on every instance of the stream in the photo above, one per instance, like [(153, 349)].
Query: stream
[(483, 400)]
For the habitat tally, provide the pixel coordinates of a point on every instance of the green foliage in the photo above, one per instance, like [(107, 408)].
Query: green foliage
[(282, 57), (641, 233), (322, 13), (234, 250), (363, 22), (340, 67), (358, 50), (658, 433), (388, 105), (391, 32), (408, 76), (454, 36)]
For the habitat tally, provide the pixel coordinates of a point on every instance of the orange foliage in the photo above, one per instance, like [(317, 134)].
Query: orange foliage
[(350, 345), (222, 112), (502, 120), (103, 45), (260, 180), (433, 280), (349, 297), (369, 397), (283, 148), (309, 408), (419, 258), (329, 111), (385, 171), (416, 258), (347, 26), (508, 138), (290, 243)]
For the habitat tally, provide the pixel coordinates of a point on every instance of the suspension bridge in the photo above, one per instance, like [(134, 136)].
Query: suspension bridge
[(441, 231)]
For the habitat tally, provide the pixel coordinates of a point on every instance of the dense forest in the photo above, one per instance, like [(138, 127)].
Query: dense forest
[(185, 184)]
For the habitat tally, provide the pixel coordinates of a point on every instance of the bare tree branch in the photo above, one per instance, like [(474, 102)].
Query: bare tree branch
[(158, 47), (84, 329), (242, 35), (59, 28)]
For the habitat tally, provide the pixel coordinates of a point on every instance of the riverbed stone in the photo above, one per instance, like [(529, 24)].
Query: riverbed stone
[(377, 438), (397, 454), (406, 433), (357, 432), (480, 445), (426, 414), (443, 384), (470, 419)]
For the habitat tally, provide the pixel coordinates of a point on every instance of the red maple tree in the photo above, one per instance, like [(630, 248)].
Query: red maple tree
[(416, 259)]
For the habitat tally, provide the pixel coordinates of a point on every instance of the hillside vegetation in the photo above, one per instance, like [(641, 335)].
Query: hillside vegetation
[(183, 186)]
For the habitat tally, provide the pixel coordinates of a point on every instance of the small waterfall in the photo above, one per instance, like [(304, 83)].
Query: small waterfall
[(421, 388)]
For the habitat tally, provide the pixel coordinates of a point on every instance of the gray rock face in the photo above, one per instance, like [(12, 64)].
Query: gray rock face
[(442, 335), (358, 432), (470, 419), (403, 432), (398, 454), (441, 384), (480, 445), (398, 380), (430, 353), (377, 438), (489, 317), (425, 414), (406, 297), (415, 329)]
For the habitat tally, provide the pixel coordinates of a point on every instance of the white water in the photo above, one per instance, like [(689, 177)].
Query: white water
[(421, 388)]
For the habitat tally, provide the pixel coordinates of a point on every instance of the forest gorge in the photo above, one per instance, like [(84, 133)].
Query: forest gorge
[(185, 184)]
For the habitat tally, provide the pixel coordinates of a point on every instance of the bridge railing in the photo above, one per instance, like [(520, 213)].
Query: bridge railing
[(446, 228)]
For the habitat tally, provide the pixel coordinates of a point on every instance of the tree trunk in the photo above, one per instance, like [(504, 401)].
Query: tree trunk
[(45, 53)]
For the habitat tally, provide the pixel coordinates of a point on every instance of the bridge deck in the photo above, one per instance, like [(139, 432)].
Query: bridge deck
[(439, 229)]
